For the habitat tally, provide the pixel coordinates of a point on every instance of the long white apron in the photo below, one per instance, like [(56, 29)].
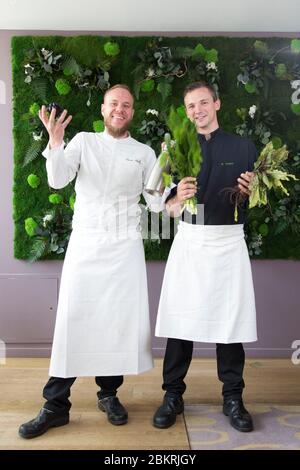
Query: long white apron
[(102, 326), (207, 293)]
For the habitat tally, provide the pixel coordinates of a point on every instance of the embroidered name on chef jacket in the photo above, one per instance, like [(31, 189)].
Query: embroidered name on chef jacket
[(134, 160)]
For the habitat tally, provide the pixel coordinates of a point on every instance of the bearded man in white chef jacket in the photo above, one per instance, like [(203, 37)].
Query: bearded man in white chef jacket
[(102, 326)]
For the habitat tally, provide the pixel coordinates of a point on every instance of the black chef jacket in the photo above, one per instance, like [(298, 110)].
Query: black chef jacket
[(225, 157)]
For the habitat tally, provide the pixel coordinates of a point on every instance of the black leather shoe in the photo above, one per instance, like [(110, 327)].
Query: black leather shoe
[(166, 414), (45, 420), (116, 413), (240, 419)]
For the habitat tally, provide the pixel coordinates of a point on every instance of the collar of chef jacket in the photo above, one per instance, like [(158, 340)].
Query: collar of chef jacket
[(109, 137)]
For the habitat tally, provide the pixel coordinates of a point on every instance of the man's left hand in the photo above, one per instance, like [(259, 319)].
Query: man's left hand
[(244, 181)]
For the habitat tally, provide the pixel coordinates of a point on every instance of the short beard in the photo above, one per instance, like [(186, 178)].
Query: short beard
[(116, 131)]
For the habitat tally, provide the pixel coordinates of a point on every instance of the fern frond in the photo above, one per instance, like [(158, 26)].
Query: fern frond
[(38, 249), (33, 152)]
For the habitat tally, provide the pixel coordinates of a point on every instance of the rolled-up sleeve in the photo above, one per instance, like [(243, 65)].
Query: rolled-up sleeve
[(154, 203), (62, 164)]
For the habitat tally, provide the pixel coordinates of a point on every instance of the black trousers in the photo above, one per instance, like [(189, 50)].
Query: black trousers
[(57, 391), (230, 364)]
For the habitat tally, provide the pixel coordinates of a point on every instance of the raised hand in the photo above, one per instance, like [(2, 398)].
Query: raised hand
[(55, 127)]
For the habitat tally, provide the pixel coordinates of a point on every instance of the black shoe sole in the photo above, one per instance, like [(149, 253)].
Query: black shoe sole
[(249, 429), (165, 426), (117, 422), (55, 424)]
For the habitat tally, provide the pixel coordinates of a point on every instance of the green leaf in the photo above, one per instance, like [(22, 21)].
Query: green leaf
[(279, 185), (266, 181), (72, 200), (53, 247), (277, 142), (260, 47), (242, 113), (199, 50), (295, 46), (250, 87), (296, 108), (70, 67), (254, 197), (211, 55), (263, 197), (181, 111), (236, 213), (147, 85), (31, 226), (281, 71), (165, 89), (263, 230)]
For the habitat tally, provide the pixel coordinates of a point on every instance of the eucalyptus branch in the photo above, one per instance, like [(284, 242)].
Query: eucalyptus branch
[(178, 75), (277, 52)]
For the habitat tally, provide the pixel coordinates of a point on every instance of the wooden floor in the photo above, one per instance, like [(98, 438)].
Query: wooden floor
[(271, 381)]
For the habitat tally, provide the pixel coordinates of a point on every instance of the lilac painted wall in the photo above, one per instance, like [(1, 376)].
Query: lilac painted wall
[(28, 292)]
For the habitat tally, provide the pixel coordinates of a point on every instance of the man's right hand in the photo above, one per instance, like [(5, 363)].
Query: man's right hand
[(55, 128), (186, 188)]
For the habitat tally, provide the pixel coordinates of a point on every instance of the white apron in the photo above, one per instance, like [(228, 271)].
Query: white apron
[(102, 325), (207, 293)]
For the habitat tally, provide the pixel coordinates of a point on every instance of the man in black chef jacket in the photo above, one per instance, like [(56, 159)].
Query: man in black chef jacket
[(227, 160)]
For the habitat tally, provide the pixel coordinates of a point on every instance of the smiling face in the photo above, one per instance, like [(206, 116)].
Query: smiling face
[(202, 109), (117, 111)]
